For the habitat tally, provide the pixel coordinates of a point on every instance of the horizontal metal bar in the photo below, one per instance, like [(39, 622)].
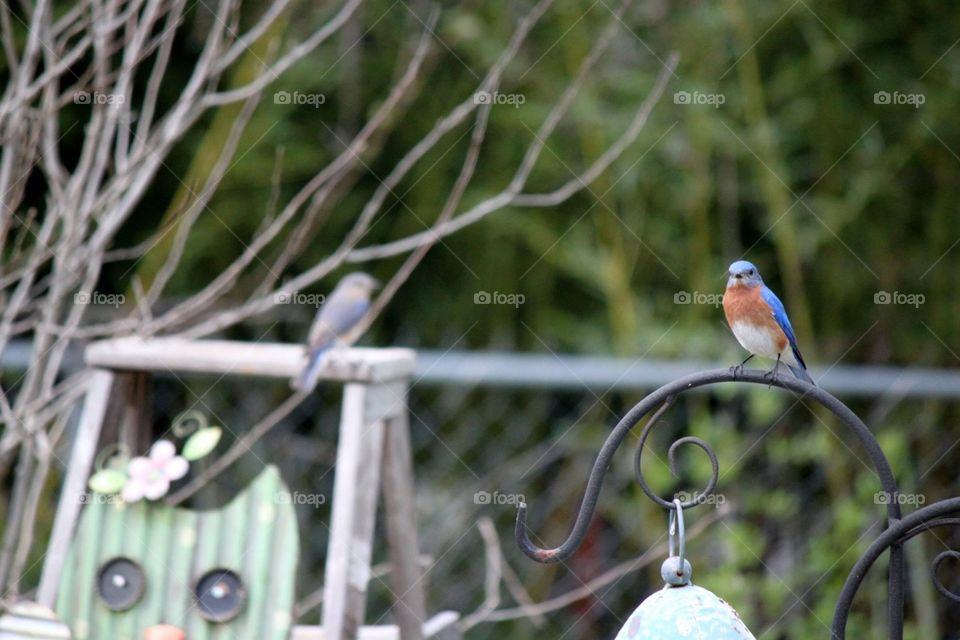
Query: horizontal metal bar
[(601, 373), (597, 373)]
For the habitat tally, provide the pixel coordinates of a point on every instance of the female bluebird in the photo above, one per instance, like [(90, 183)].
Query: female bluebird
[(341, 311), (759, 321)]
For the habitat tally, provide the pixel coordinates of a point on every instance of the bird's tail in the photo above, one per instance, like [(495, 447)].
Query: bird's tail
[(801, 374), (306, 380)]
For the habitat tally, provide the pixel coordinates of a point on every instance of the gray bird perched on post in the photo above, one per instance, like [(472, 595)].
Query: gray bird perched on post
[(340, 313)]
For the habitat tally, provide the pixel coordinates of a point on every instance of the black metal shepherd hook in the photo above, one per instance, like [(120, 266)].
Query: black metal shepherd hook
[(898, 530)]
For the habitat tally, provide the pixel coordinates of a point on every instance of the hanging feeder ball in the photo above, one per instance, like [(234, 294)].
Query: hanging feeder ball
[(682, 609)]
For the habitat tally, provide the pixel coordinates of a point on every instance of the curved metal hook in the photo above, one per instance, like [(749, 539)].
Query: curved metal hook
[(665, 396)]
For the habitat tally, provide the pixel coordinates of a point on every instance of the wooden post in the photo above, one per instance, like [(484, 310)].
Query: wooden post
[(136, 413), (406, 577), (128, 420), (355, 491), (75, 483)]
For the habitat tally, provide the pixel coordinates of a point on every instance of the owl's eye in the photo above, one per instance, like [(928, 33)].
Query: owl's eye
[(220, 595), (120, 583)]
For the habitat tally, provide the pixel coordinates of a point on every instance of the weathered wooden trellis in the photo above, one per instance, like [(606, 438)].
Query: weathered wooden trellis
[(373, 454)]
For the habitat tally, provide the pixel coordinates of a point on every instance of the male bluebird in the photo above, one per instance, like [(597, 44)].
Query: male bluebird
[(759, 321), (341, 311)]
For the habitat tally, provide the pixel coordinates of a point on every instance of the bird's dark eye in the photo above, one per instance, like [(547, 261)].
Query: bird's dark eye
[(120, 583), (751, 272), (220, 595)]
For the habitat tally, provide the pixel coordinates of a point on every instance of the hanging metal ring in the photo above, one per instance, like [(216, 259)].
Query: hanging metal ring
[(676, 534)]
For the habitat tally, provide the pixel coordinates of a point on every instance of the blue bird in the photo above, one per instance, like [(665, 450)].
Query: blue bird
[(759, 320), (340, 313)]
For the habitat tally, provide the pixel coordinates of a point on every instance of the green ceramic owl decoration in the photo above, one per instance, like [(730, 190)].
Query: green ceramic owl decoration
[(147, 570)]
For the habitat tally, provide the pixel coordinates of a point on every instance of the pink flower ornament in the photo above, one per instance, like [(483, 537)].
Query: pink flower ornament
[(150, 476)]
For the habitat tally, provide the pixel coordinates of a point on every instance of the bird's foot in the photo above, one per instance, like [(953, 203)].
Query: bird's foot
[(737, 369), (772, 376)]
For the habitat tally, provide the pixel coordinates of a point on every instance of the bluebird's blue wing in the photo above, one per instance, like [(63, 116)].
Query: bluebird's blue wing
[(780, 315)]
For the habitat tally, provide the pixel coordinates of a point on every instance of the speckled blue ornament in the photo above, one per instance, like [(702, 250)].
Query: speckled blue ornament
[(685, 611)]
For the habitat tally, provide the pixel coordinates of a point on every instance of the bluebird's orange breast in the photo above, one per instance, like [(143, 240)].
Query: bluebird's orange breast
[(744, 305)]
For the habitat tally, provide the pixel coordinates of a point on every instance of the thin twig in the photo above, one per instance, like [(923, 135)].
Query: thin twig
[(238, 448), (591, 588)]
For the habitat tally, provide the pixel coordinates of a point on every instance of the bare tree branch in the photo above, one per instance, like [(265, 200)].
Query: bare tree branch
[(111, 61)]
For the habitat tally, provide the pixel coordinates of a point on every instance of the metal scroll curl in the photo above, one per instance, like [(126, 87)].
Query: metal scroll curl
[(658, 402), (945, 513), (698, 497), (935, 573)]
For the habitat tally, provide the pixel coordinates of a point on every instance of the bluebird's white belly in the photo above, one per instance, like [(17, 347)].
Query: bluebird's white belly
[(757, 340)]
